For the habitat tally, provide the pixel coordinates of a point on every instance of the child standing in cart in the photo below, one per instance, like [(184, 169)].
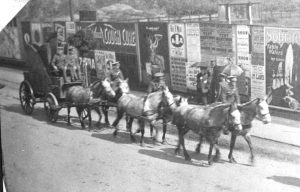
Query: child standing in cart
[(73, 64)]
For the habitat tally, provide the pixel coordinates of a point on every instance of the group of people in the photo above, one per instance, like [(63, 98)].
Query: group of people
[(64, 60), (226, 89)]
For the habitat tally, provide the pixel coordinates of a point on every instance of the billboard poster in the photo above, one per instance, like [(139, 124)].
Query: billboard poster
[(178, 74), (257, 39), (70, 29), (117, 37), (154, 49), (242, 38), (282, 59), (60, 29), (223, 35), (244, 61), (192, 31), (101, 61), (192, 70), (177, 50), (36, 34), (177, 40), (258, 76)]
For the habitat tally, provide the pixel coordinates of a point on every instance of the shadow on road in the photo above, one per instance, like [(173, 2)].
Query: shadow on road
[(121, 138), (40, 115), (294, 181), (169, 155)]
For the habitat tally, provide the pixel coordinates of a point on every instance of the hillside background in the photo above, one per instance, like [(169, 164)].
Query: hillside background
[(274, 12)]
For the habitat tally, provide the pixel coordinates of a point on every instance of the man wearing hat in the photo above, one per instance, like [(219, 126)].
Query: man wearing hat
[(203, 85), (228, 92), (115, 72), (157, 83)]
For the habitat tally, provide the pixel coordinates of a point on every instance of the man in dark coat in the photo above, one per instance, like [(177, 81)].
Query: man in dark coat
[(203, 85), (228, 92)]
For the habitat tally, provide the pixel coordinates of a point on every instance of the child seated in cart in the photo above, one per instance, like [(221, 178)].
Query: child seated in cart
[(73, 64), (59, 63)]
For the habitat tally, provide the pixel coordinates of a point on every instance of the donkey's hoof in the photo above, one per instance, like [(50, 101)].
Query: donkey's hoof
[(142, 144), (232, 160), (177, 151), (216, 158), (132, 138), (252, 161), (115, 133), (197, 150), (187, 158)]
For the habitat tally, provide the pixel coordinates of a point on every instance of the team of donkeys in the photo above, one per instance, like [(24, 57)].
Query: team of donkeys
[(207, 121)]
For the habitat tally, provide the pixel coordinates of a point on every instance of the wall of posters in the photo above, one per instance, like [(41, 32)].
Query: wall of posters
[(177, 45), (154, 50), (282, 59), (70, 29)]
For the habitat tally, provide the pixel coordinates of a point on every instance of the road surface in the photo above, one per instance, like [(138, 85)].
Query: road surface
[(41, 156)]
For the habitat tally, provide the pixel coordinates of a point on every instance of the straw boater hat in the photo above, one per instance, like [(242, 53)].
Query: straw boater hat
[(115, 62), (232, 78), (159, 75)]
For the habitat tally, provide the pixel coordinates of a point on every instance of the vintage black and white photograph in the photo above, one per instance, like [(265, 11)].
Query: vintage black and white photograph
[(150, 95)]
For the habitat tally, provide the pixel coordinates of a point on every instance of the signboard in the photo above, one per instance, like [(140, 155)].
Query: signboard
[(223, 35), (117, 37), (87, 15), (154, 49), (258, 76), (192, 31), (282, 60)]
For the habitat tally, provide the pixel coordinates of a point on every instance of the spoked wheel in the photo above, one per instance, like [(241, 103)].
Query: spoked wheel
[(51, 107), (26, 96)]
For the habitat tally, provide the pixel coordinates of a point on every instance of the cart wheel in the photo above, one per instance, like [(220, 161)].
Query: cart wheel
[(26, 96), (51, 108)]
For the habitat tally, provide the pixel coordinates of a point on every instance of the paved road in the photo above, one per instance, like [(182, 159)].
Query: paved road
[(39, 156)]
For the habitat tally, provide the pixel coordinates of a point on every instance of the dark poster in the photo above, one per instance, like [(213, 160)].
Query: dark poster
[(283, 66), (117, 37), (154, 49)]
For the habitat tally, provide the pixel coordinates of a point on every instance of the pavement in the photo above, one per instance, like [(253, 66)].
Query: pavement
[(281, 129)]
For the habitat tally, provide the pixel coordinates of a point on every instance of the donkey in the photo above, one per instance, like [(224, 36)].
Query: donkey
[(206, 121), (80, 97), (256, 108), (149, 108)]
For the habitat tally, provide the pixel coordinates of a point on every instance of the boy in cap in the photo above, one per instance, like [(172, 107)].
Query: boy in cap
[(228, 92)]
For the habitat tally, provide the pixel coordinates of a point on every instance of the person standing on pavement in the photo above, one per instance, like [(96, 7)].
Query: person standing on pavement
[(228, 92), (203, 85)]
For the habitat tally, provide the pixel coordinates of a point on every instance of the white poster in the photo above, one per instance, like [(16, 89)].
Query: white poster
[(193, 42), (244, 61), (36, 34), (242, 38), (258, 81), (177, 40), (70, 29)]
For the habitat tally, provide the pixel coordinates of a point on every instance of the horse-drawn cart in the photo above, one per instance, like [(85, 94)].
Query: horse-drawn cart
[(42, 85)]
